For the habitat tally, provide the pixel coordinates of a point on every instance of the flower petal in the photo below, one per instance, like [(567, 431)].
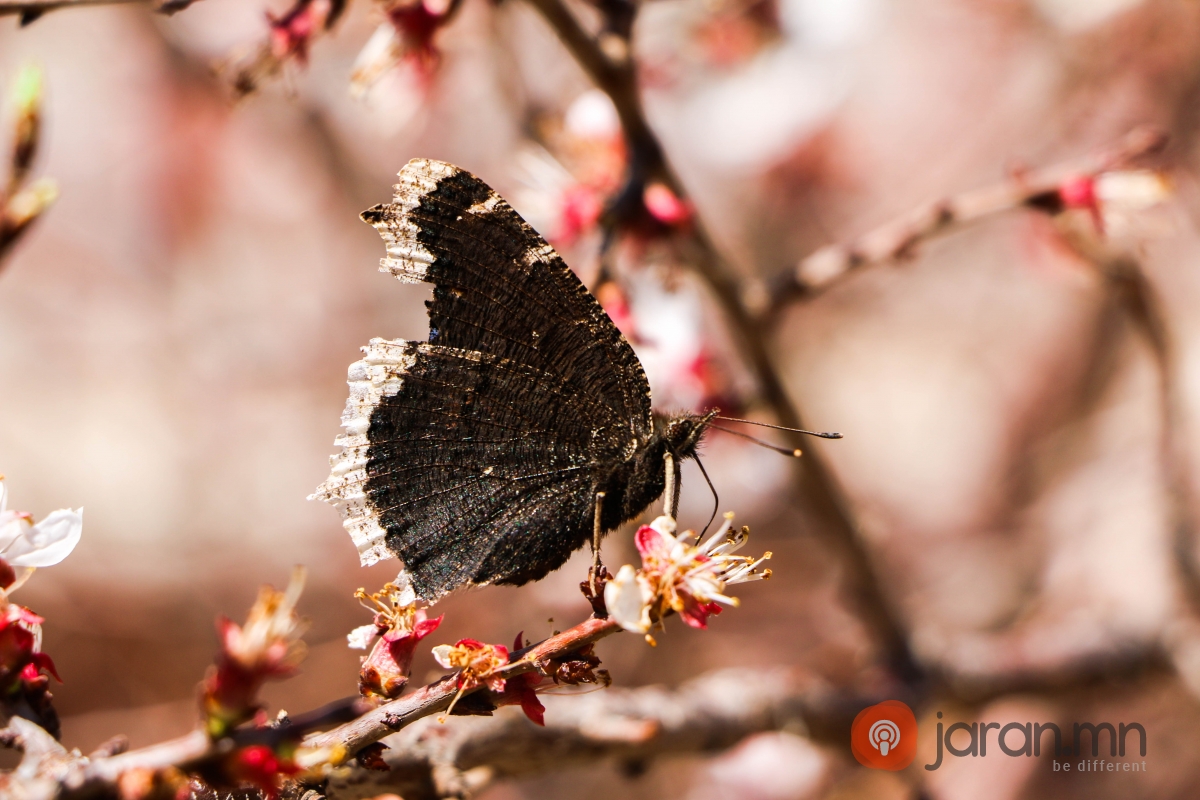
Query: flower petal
[(361, 637), (624, 598), (441, 654), (696, 614), (379, 54), (49, 541), (652, 542), (664, 525), (532, 707), (424, 627), (12, 528), (41, 661)]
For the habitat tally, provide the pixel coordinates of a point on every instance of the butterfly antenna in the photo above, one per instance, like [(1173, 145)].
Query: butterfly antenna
[(794, 453), (716, 499), (821, 434), (671, 491)]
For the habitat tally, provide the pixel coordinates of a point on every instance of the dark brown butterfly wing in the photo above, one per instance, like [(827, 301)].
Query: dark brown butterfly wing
[(475, 457)]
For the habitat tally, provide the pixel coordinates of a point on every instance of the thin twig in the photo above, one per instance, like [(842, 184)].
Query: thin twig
[(898, 238), (29, 10), (436, 697)]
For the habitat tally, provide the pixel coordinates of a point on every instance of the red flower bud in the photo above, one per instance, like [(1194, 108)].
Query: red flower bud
[(385, 671), (261, 767)]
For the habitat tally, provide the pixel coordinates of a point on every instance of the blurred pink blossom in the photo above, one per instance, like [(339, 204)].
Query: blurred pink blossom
[(292, 33), (261, 767), (265, 648)]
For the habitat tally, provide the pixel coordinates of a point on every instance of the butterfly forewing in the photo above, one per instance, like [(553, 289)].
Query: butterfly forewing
[(474, 457), (499, 288)]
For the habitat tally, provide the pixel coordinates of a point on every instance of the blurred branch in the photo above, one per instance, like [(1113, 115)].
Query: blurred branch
[(632, 727), (1181, 639), (607, 60), (1144, 307), (21, 204), (899, 238), (450, 758), (30, 10)]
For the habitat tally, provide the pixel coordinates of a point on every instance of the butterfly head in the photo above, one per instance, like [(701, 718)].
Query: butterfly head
[(683, 433)]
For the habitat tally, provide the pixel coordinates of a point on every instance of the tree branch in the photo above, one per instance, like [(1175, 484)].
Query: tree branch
[(29, 10), (818, 492), (76, 778), (631, 726), (1143, 305), (900, 237), (391, 717)]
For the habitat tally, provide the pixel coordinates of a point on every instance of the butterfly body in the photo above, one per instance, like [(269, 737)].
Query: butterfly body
[(476, 457), (638, 481)]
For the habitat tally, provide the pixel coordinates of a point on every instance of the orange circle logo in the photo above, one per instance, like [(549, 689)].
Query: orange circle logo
[(884, 736)]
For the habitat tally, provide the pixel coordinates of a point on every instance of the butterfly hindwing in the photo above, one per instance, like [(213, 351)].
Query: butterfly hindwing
[(450, 463)]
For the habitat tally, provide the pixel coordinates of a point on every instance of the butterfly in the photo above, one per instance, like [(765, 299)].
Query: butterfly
[(477, 457)]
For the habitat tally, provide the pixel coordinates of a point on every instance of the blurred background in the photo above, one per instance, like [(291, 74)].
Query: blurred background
[(175, 332)]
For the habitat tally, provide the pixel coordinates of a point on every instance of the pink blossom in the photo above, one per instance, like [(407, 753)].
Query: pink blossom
[(397, 629), (475, 661), (28, 545), (21, 656), (521, 690), (677, 575), (406, 38), (292, 34), (417, 23)]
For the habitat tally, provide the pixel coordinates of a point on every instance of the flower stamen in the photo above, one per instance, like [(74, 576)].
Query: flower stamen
[(681, 574)]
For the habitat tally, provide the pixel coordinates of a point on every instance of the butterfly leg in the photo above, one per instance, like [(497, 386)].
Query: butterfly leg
[(597, 530), (593, 587)]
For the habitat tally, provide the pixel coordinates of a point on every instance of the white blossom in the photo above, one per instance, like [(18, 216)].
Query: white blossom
[(24, 543)]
